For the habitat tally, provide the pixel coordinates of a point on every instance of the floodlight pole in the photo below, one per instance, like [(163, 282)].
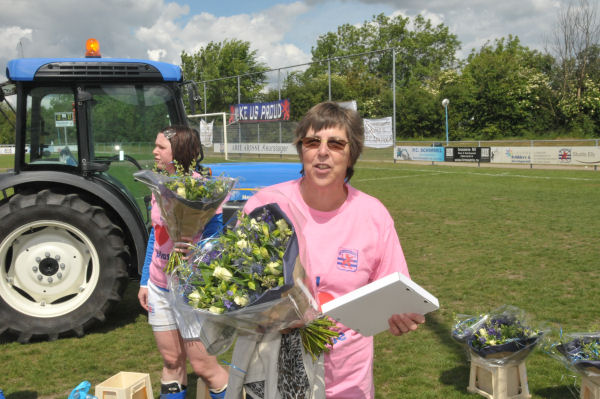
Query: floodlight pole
[(445, 103)]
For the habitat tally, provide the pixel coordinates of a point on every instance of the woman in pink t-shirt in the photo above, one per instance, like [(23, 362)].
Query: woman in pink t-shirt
[(350, 236), (181, 144)]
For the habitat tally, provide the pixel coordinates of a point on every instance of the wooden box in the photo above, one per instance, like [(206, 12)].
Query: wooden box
[(125, 385), (498, 382), (590, 388)]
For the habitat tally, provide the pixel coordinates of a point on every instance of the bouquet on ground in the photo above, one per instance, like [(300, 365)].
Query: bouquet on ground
[(579, 352), (249, 280), (187, 202), (499, 337)]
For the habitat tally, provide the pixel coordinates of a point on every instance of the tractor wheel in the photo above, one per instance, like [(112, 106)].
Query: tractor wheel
[(62, 265)]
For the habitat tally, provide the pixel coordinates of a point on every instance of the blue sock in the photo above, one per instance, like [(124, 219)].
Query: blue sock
[(172, 390), (217, 395)]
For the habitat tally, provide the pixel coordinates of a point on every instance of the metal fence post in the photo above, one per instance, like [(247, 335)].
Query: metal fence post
[(205, 98), (329, 77), (239, 102), (394, 101), (279, 97)]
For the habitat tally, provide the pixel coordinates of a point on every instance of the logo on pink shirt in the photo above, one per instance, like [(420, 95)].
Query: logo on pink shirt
[(347, 260)]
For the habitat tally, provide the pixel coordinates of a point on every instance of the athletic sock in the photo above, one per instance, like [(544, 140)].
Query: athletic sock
[(218, 393), (172, 390)]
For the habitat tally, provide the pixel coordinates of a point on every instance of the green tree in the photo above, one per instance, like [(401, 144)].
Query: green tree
[(422, 49), (7, 130), (421, 54), (220, 60), (576, 48), (505, 91)]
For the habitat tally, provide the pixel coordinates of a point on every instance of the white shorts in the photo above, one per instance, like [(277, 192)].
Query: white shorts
[(160, 314)]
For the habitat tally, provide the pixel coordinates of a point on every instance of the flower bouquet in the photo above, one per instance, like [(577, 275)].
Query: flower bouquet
[(579, 352), (248, 281), (187, 202), (500, 337)]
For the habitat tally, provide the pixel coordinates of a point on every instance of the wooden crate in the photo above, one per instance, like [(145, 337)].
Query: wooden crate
[(201, 390), (498, 382), (125, 385), (590, 388)]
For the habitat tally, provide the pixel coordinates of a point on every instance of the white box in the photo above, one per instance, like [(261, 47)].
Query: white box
[(125, 385), (367, 309)]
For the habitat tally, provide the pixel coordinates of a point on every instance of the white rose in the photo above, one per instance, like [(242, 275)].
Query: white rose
[(181, 191), (281, 225), (194, 298), (216, 310), (222, 273), (272, 267), (242, 244), (241, 300)]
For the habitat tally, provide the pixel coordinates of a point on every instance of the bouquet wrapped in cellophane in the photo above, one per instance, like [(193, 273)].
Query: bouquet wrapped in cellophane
[(248, 281), (502, 336), (579, 352), (187, 202)]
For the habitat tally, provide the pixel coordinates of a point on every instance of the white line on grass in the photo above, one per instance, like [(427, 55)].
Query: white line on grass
[(504, 174), (396, 177)]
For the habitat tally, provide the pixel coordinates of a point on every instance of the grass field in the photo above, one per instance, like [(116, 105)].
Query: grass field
[(477, 238)]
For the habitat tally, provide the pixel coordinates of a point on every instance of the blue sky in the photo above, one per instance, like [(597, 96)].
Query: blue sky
[(282, 32)]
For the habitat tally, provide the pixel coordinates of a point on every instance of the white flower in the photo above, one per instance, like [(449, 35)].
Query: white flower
[(281, 225), (181, 191), (194, 298), (241, 300), (222, 273), (272, 268), (254, 224), (216, 310), (242, 244)]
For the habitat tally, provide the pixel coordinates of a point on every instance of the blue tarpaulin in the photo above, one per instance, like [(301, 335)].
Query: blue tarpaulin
[(254, 175)]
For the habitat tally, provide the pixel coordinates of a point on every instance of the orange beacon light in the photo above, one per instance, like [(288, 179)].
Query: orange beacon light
[(92, 48)]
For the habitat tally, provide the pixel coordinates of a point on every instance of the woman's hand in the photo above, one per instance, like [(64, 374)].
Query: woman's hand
[(184, 246), (143, 297), (296, 324), (405, 322)]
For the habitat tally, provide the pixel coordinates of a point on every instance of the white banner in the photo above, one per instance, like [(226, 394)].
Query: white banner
[(206, 133), (414, 153), (379, 132), (579, 155), (7, 149), (257, 148)]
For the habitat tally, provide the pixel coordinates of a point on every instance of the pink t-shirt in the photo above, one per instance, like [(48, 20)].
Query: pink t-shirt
[(348, 248)]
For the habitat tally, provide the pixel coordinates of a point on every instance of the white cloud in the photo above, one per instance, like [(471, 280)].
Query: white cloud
[(157, 54), (476, 22), (281, 34), (13, 38), (265, 30)]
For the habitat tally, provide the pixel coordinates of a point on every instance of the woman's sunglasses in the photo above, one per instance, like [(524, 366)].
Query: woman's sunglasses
[(333, 143)]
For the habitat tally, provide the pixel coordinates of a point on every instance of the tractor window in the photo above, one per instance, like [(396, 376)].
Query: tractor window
[(51, 132), (127, 117)]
